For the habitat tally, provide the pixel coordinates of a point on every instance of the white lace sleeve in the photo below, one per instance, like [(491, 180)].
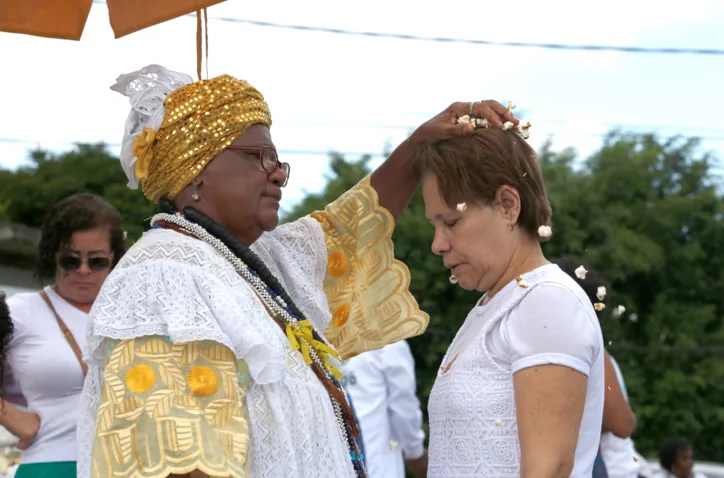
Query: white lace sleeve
[(174, 286), (186, 303)]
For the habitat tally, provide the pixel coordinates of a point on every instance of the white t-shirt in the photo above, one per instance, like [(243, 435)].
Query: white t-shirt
[(383, 390), (472, 404), (48, 372)]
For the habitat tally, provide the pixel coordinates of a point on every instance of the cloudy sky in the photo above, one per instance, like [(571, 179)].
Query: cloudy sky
[(353, 94)]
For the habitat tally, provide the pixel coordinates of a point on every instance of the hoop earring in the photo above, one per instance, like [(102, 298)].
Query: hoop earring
[(453, 279)]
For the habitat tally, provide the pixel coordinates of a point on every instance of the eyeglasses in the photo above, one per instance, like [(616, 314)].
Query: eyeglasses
[(72, 262), (268, 158)]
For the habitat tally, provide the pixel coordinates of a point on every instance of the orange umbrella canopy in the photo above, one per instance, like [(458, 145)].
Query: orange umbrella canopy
[(66, 19)]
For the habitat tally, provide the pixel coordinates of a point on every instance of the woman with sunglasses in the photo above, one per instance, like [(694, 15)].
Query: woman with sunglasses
[(218, 333), (81, 240)]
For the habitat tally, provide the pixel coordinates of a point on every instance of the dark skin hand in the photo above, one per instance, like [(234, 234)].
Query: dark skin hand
[(418, 466), (395, 181)]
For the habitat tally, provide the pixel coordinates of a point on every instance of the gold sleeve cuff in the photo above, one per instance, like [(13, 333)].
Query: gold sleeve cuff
[(367, 288), (171, 409)]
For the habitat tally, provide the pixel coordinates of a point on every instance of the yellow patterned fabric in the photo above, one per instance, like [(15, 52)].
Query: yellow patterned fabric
[(367, 288), (202, 119), (171, 408)]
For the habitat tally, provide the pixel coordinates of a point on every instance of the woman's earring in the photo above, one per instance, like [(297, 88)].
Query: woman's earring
[(453, 279), (511, 226), (196, 196)]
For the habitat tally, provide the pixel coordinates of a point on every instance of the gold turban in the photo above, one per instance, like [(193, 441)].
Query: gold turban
[(201, 120)]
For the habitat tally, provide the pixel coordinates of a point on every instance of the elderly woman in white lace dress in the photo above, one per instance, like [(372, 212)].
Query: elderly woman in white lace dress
[(212, 346), (520, 391)]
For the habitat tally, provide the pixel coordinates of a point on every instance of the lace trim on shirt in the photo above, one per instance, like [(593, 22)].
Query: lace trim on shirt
[(172, 285)]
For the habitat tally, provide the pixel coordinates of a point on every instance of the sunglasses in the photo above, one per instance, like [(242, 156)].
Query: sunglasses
[(268, 158), (71, 262)]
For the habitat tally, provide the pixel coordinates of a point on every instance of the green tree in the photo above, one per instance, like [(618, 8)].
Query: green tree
[(646, 213), (28, 193)]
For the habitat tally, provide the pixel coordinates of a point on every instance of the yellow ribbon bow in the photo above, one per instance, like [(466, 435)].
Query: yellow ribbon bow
[(301, 337), (142, 150)]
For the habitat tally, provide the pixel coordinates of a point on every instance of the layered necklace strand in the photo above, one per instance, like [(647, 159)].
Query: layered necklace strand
[(279, 309)]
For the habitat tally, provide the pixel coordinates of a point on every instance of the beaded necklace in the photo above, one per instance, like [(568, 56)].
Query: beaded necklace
[(299, 331)]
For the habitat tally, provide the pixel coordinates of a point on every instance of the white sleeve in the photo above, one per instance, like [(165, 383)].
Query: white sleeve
[(551, 325), (21, 308), (404, 407), (185, 303)]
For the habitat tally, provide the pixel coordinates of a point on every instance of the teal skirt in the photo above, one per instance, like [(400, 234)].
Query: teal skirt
[(54, 469)]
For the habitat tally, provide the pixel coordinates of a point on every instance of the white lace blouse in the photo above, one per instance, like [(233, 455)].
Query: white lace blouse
[(473, 424), (188, 371)]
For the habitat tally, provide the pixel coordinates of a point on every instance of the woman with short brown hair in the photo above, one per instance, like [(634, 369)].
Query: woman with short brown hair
[(520, 391)]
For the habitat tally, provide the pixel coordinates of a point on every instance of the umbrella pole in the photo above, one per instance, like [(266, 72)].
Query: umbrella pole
[(202, 39)]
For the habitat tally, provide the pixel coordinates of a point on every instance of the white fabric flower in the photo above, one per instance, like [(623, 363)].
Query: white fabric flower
[(581, 272), (147, 90), (545, 232), (601, 292)]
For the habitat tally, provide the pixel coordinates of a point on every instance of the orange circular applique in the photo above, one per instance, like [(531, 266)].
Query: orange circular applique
[(336, 264), (202, 381), (340, 315), (140, 378)]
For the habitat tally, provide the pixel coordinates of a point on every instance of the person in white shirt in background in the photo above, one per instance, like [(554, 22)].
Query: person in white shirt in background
[(383, 390), (619, 454), (619, 422)]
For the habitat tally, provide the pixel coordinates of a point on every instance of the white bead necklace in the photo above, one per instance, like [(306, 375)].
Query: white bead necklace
[(277, 307)]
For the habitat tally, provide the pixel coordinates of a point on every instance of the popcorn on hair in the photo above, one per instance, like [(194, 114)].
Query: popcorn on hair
[(471, 169)]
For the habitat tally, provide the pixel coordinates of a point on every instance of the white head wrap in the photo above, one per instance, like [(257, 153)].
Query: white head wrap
[(147, 90)]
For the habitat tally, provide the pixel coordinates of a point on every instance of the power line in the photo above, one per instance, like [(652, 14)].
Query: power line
[(295, 152), (692, 132), (470, 41)]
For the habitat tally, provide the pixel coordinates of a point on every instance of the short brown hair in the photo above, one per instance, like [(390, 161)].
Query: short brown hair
[(79, 212), (473, 168)]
